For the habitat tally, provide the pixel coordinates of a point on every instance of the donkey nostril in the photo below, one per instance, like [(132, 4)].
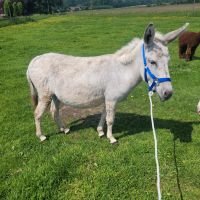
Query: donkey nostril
[(167, 94)]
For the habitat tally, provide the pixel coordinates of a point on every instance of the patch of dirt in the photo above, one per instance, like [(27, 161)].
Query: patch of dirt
[(68, 112)]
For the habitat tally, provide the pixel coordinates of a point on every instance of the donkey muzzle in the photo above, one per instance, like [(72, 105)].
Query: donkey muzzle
[(167, 94)]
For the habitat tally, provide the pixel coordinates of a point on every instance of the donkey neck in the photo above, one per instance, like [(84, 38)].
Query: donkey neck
[(138, 64), (130, 58)]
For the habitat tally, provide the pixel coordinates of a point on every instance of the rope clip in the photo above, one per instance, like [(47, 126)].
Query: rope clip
[(150, 93)]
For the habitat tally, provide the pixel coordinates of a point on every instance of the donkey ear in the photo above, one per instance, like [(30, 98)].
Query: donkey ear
[(171, 36), (149, 34)]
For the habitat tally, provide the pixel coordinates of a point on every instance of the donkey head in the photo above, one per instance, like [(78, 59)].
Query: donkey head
[(157, 58)]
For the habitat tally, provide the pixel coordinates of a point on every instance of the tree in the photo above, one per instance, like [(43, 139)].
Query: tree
[(20, 8), (15, 10), (7, 6), (49, 6)]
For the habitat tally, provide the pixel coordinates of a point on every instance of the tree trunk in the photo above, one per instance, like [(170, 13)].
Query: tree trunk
[(48, 6), (9, 11)]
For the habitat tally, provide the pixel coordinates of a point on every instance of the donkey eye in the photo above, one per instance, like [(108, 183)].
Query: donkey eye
[(152, 62)]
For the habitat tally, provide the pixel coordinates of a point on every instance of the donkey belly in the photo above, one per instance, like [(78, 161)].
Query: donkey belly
[(80, 96)]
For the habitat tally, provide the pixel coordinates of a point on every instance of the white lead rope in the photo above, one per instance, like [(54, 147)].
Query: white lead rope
[(156, 147)]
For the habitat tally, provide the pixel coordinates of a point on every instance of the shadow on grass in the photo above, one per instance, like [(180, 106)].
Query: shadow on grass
[(177, 170), (195, 58), (130, 124)]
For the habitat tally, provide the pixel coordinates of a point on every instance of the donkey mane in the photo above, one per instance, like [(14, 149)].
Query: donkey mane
[(126, 53)]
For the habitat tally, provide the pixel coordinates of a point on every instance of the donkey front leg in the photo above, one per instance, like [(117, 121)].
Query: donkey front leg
[(110, 115), (101, 123)]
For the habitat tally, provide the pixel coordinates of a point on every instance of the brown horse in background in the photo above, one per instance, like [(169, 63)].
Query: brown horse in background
[(188, 43)]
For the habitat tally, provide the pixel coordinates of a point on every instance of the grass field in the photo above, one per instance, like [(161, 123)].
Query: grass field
[(80, 165)]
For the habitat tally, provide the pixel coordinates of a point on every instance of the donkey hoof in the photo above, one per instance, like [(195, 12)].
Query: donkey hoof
[(101, 134), (113, 141), (43, 138), (65, 130)]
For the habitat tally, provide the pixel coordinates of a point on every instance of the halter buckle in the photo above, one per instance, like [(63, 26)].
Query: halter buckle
[(156, 82)]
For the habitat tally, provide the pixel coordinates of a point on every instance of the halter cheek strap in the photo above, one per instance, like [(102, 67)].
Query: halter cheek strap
[(147, 71)]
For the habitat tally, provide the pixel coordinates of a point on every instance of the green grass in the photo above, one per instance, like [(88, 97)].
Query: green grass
[(80, 165), (21, 20)]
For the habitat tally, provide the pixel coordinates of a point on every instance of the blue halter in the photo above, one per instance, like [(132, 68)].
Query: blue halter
[(147, 71)]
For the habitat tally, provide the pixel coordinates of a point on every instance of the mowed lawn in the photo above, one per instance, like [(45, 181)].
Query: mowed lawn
[(80, 165)]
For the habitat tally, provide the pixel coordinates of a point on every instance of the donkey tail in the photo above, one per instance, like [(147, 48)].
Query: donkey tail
[(34, 94)]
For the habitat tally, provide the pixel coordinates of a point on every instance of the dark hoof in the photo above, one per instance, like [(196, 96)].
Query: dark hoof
[(115, 143)]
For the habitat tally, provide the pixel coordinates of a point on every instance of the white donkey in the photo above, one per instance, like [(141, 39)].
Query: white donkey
[(198, 108), (91, 81)]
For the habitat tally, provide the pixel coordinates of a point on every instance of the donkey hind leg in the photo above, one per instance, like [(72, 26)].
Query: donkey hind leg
[(41, 107), (101, 123), (110, 115), (54, 109)]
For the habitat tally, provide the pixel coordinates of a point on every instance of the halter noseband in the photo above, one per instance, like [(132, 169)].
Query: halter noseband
[(147, 71)]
